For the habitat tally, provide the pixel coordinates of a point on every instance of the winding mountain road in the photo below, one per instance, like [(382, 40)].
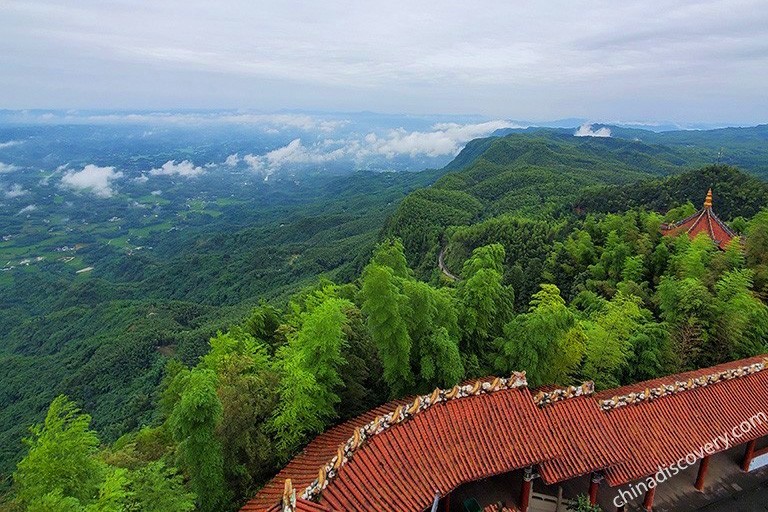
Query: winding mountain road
[(443, 268)]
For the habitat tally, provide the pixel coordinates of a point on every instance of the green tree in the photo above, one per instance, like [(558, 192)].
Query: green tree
[(741, 318), (546, 342), (390, 253), (309, 366), (193, 423), (113, 492), (486, 303), (651, 355), (61, 463), (756, 250), (686, 305), (608, 334), (382, 305), (582, 504), (156, 488), (440, 359), (248, 390), (432, 322), (694, 262)]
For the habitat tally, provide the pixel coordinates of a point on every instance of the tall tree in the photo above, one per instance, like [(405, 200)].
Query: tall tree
[(433, 328), (248, 390), (608, 334), (193, 423), (686, 305), (309, 366), (741, 318), (61, 458), (486, 303), (382, 305), (546, 342)]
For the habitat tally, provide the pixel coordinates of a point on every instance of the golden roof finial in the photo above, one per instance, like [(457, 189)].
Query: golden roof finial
[(708, 200)]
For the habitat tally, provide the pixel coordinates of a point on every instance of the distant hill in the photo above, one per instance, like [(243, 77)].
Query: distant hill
[(746, 148), (735, 193), (530, 174)]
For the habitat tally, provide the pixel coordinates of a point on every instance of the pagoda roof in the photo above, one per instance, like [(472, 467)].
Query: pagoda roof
[(703, 221), (400, 455)]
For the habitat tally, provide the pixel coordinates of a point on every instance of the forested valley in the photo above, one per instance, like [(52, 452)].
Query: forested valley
[(562, 272)]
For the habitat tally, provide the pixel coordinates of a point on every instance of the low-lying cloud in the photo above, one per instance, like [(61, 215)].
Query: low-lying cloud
[(445, 139), (294, 153), (15, 191), (184, 169), (10, 143), (267, 122), (7, 168), (586, 130), (92, 178)]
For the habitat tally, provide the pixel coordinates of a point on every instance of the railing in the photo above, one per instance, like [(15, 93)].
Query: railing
[(546, 503)]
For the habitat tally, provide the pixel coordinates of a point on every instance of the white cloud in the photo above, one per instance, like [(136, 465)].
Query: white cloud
[(156, 192), (534, 59), (444, 139), (184, 169), (268, 122), (7, 167), (94, 179), (27, 209), (15, 191), (232, 160), (294, 153), (10, 143), (586, 130), (141, 179)]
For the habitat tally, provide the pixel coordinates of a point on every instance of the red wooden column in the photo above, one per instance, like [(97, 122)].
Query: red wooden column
[(447, 503), (648, 501), (701, 477), (594, 485), (749, 454), (525, 493)]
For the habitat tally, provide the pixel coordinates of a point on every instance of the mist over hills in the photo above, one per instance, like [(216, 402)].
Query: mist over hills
[(129, 240)]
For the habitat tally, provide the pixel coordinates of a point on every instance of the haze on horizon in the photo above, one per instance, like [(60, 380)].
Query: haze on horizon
[(685, 62)]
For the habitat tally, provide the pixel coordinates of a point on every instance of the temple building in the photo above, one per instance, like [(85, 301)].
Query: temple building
[(496, 445), (703, 221)]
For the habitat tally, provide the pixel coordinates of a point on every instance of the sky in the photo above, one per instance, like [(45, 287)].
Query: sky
[(608, 61)]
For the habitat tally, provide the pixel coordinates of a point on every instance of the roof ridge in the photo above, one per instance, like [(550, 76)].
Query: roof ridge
[(544, 398), (701, 214), (677, 387), (361, 435), (672, 225), (722, 224)]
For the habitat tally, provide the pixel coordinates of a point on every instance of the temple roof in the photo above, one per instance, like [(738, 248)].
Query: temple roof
[(703, 221), (399, 455)]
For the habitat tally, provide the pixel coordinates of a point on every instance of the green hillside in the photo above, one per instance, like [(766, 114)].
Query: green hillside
[(104, 337), (527, 174), (199, 390), (736, 193)]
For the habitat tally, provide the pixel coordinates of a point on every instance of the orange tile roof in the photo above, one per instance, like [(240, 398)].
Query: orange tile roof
[(492, 431), (300, 506), (588, 440), (449, 444), (303, 468), (659, 432), (703, 221)]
